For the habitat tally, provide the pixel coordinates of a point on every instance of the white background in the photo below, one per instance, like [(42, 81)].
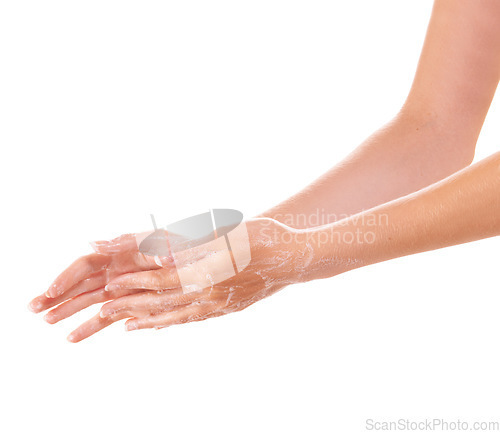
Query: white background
[(112, 110)]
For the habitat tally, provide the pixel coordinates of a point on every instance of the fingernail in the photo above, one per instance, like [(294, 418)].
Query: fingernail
[(71, 337), (111, 287), (34, 307), (98, 247), (130, 326), (106, 313), (105, 247), (100, 243), (47, 317), (52, 292)]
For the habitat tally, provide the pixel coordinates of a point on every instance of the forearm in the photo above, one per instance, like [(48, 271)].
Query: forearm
[(435, 132), (462, 208), (409, 153)]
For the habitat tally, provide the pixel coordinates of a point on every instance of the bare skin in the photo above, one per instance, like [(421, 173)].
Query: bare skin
[(411, 177), (435, 132), (151, 295), (462, 208)]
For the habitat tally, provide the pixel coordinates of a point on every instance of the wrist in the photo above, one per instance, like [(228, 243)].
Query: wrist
[(331, 250)]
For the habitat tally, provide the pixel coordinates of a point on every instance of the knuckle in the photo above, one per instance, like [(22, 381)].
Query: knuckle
[(84, 262), (157, 279)]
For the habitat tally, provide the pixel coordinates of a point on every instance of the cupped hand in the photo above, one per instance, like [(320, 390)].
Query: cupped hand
[(198, 286), (183, 294), (83, 283)]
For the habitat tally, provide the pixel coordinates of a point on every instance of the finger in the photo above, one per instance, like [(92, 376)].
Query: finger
[(42, 302), (92, 326), (192, 312), (158, 280), (83, 301), (123, 243), (79, 270), (147, 301)]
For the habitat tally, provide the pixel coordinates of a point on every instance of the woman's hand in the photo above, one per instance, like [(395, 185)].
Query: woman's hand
[(275, 256), (83, 283), (157, 297)]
